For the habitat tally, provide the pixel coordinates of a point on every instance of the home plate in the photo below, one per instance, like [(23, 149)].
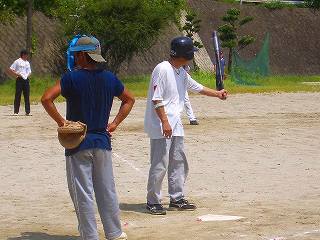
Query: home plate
[(215, 218)]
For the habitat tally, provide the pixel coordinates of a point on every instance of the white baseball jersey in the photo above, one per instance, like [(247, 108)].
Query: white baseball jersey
[(168, 85), (21, 67)]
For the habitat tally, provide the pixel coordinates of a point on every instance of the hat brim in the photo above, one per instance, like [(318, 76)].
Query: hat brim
[(97, 57)]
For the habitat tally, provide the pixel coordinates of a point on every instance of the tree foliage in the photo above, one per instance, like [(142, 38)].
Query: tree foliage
[(191, 27), (314, 4), (124, 27), (11, 8), (228, 32)]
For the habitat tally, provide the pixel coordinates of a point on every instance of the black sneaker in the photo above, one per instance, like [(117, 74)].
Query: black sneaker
[(182, 205), (156, 209), (194, 122)]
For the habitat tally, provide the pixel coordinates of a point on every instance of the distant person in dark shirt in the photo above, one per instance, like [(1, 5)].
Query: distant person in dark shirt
[(223, 64)]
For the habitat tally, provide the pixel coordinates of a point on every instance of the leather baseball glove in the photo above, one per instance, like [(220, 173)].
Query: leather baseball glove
[(71, 134)]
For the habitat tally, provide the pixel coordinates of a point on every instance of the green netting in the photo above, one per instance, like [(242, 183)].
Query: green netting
[(248, 72)]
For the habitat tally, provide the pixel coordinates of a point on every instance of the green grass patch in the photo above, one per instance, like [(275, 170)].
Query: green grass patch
[(264, 85), (275, 4), (271, 5), (139, 85), (37, 87)]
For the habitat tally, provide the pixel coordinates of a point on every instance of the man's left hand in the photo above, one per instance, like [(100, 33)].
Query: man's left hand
[(111, 127)]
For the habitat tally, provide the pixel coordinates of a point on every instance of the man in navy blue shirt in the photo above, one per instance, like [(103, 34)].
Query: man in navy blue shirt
[(89, 92)]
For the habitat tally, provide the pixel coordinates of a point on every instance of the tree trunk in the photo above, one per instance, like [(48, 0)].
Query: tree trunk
[(230, 61), (29, 27)]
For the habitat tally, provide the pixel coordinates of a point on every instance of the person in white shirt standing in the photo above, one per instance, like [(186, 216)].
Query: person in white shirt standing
[(21, 70), (187, 104), (189, 111), (166, 98)]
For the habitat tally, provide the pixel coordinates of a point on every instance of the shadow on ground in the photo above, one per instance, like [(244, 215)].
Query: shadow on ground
[(42, 236), (134, 207)]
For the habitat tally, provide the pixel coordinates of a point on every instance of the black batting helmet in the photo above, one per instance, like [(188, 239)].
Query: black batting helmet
[(183, 47)]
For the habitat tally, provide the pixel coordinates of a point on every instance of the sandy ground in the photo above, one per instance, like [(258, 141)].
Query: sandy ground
[(255, 156)]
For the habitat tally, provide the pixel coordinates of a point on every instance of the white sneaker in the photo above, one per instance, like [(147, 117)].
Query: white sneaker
[(123, 236), (28, 114), (15, 114)]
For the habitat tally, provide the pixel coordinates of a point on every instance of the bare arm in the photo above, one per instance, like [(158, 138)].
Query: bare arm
[(13, 73), (222, 94), (47, 101), (127, 100), (166, 128)]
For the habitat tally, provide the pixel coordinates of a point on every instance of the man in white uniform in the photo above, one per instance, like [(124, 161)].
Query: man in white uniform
[(21, 70), (187, 104), (168, 86), (189, 111)]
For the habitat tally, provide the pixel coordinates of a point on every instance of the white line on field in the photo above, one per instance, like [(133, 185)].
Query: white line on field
[(301, 234), (130, 163)]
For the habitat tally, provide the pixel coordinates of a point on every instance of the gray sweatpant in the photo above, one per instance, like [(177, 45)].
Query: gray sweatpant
[(167, 155), (91, 171)]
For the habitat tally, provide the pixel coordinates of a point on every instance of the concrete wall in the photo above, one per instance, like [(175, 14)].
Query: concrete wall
[(294, 34), (294, 45), (47, 59)]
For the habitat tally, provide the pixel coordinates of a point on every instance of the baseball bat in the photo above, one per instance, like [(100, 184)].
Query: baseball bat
[(219, 80)]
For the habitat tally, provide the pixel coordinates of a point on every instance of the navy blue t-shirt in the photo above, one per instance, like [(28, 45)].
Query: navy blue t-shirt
[(89, 95)]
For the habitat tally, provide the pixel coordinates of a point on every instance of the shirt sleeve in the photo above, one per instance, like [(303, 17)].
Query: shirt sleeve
[(158, 85), (29, 69), (14, 66), (193, 85), (118, 87), (65, 85)]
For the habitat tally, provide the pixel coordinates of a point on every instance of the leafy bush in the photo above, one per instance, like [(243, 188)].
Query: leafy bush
[(273, 5), (314, 4), (228, 32), (124, 27)]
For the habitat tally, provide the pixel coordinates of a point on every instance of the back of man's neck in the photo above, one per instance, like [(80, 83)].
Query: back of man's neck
[(89, 67), (174, 63)]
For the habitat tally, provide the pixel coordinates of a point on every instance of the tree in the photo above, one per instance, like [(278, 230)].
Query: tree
[(11, 8), (191, 27), (29, 26), (314, 4), (124, 27), (228, 32)]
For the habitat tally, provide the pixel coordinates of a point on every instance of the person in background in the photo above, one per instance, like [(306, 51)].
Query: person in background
[(223, 64), (187, 104), (21, 70)]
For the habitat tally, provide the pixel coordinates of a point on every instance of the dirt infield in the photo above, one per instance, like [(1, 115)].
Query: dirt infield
[(255, 156)]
